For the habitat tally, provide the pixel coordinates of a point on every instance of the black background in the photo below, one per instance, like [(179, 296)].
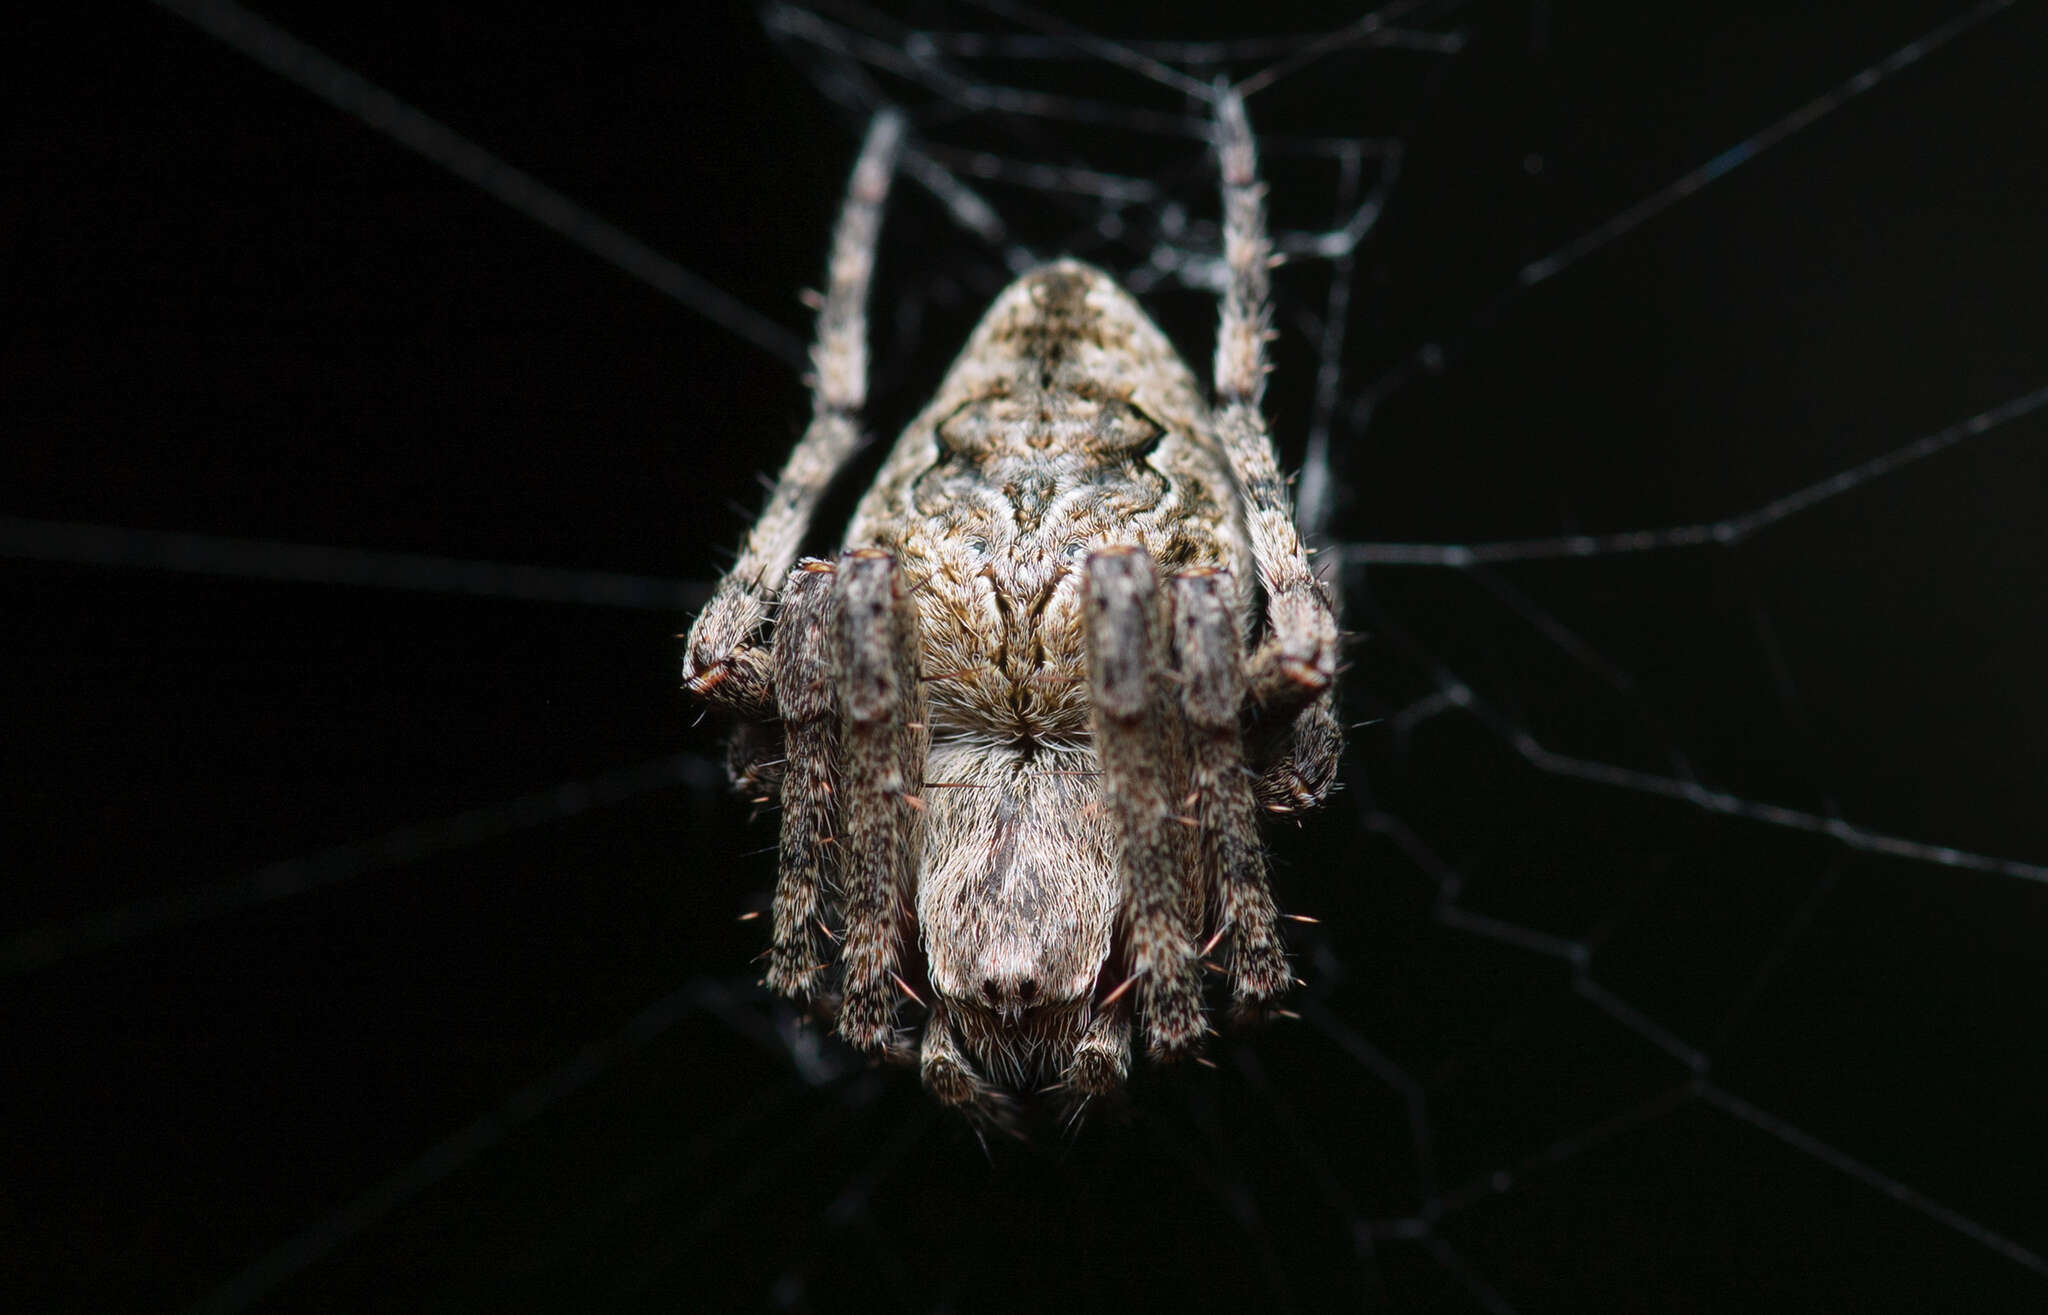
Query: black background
[(236, 311)]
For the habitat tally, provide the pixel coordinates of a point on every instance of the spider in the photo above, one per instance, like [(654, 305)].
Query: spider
[(1022, 728)]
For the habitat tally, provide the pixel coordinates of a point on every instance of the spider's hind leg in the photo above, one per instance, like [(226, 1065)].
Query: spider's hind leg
[(1292, 672), (724, 661)]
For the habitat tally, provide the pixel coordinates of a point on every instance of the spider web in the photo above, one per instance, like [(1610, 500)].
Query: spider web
[(1670, 403)]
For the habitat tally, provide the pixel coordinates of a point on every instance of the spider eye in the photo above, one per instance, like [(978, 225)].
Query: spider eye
[(1072, 549)]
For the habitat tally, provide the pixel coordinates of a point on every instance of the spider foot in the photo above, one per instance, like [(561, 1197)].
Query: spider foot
[(1260, 979), (950, 1080), (1171, 1001), (795, 973), (742, 680), (867, 1022), (1291, 671), (1101, 1064)]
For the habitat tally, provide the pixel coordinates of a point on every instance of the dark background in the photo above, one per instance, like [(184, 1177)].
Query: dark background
[(235, 311)]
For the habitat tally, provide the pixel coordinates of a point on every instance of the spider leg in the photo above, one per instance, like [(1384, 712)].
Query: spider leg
[(724, 661), (1102, 1060), (943, 1064), (1230, 866), (883, 745), (1297, 760), (951, 1076), (1136, 739), (755, 761), (1292, 672), (803, 690)]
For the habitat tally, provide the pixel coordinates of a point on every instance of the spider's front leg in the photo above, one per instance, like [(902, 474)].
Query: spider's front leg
[(1135, 737), (883, 743), (1230, 865), (797, 956)]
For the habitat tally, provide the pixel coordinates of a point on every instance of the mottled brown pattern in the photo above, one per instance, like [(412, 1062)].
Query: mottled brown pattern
[(1032, 801)]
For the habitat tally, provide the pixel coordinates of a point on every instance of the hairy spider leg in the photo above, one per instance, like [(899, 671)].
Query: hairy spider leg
[(724, 660), (797, 959), (1136, 740), (1230, 864), (884, 741), (1294, 668)]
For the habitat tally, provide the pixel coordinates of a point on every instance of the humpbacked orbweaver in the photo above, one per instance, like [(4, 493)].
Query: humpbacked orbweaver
[(1022, 727)]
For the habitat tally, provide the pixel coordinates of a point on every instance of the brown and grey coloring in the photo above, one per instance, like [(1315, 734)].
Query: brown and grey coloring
[(1022, 729)]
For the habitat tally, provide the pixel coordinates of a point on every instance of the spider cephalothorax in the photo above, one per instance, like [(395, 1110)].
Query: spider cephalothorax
[(1022, 738)]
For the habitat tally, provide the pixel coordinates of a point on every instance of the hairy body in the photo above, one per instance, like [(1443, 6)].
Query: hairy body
[(1021, 728), (1067, 425)]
